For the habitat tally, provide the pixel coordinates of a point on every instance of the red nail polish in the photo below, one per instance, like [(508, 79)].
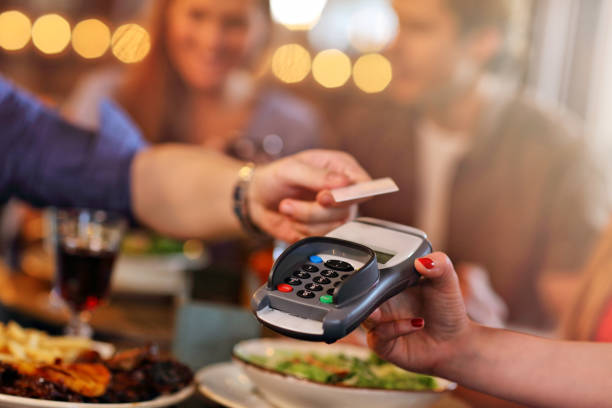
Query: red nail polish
[(418, 323), (426, 262)]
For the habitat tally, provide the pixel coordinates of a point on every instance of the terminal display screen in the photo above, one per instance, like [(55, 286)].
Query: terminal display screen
[(383, 257)]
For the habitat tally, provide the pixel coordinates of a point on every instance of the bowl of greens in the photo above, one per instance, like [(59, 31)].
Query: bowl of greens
[(302, 374), (154, 265)]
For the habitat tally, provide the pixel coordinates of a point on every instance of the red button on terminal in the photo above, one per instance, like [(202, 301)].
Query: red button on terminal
[(283, 287)]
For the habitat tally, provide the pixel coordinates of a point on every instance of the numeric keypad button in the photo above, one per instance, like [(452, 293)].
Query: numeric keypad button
[(339, 265), (301, 275), (329, 274), (310, 268), (293, 281), (306, 294), (321, 280), (314, 287)]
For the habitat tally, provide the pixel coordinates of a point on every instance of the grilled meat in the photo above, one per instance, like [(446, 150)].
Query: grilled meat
[(131, 376)]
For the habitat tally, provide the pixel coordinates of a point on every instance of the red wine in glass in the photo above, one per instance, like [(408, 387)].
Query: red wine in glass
[(84, 276), (87, 242)]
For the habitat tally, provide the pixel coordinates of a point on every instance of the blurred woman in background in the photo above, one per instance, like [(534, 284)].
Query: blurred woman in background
[(198, 85)]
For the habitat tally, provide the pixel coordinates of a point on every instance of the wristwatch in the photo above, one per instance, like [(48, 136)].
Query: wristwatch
[(241, 204)]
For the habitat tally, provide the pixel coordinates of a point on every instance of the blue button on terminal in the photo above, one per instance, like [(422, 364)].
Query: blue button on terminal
[(315, 259)]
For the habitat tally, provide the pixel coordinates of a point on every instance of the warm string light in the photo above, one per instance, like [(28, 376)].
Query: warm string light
[(15, 30), (291, 63), (130, 43), (372, 73), (91, 38), (51, 33), (331, 68)]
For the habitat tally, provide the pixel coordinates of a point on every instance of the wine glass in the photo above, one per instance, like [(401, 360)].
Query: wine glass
[(86, 244)]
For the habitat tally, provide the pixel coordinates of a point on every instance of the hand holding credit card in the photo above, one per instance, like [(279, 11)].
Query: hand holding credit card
[(360, 191)]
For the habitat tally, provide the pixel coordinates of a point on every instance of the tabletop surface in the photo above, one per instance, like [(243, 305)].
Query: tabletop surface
[(153, 321)]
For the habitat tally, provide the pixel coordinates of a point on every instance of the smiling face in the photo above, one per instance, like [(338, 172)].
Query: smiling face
[(207, 39)]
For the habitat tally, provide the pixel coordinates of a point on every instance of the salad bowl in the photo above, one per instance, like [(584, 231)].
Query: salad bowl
[(287, 373)]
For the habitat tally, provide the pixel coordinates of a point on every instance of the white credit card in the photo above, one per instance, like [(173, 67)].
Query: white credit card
[(364, 190)]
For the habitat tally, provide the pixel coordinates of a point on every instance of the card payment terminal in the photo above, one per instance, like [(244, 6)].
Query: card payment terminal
[(321, 288)]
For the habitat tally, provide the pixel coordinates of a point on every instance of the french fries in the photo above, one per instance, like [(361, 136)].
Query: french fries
[(18, 344)]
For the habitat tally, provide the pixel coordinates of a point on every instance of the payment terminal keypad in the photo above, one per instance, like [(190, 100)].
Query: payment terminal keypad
[(321, 288), (311, 282)]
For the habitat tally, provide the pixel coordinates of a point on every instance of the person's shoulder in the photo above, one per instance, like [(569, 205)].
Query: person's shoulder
[(538, 121)]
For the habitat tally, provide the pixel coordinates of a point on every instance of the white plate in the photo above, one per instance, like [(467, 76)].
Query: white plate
[(226, 384), (290, 391), (106, 350), (10, 401)]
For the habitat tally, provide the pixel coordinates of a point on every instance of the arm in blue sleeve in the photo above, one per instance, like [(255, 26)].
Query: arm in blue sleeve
[(46, 161)]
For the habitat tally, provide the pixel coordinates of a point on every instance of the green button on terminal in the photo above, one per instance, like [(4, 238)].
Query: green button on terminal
[(326, 299)]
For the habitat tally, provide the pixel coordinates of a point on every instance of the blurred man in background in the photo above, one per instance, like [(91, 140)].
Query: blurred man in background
[(493, 178)]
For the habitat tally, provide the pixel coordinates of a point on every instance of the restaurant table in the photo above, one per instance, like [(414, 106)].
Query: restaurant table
[(126, 321), (199, 401), (130, 322), (460, 398)]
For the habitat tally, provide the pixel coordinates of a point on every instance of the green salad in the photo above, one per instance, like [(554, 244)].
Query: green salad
[(138, 242), (340, 369)]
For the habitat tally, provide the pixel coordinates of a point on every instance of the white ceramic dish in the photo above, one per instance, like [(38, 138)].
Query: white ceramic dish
[(289, 391), (106, 350), (226, 384), (10, 401)]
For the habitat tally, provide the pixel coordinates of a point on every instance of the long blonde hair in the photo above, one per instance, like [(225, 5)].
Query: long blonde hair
[(594, 295), (152, 91)]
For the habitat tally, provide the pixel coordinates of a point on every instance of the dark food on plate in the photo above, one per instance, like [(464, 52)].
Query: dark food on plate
[(69, 382), (130, 376)]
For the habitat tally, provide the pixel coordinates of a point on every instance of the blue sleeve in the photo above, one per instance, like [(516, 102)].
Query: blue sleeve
[(46, 161)]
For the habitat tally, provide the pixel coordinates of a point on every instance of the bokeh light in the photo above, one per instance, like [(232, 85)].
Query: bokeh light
[(131, 43), (297, 14), (355, 25), (15, 30), (372, 73), (373, 27), (91, 38), (331, 68), (291, 63), (51, 33), (193, 249)]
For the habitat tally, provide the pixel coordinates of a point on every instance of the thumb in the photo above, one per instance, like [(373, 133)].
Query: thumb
[(439, 269)]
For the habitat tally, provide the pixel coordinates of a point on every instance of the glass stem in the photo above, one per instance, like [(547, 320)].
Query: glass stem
[(78, 326)]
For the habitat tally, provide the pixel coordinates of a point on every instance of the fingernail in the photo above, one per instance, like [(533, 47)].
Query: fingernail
[(418, 323), (286, 208), (426, 262)]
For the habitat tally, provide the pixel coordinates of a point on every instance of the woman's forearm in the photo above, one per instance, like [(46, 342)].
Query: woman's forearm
[(531, 370), (185, 192)]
